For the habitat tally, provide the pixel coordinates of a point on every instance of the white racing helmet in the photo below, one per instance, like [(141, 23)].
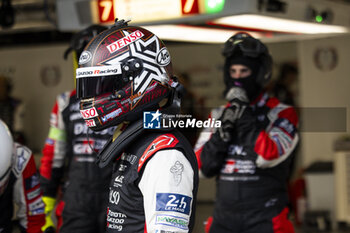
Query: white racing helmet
[(6, 149)]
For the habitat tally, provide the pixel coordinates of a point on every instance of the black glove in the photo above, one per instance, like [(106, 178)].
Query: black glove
[(238, 102), (227, 124)]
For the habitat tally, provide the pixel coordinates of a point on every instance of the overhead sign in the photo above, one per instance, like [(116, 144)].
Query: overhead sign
[(154, 10), (143, 11), (106, 11), (189, 7), (75, 15)]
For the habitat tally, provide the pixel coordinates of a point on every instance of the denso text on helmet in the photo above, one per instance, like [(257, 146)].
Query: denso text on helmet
[(124, 41)]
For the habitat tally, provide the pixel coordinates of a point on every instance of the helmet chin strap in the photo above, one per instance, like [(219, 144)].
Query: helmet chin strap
[(114, 147)]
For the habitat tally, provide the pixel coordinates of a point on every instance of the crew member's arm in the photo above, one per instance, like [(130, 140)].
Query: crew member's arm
[(274, 144), (27, 192), (52, 161), (167, 186), (210, 149)]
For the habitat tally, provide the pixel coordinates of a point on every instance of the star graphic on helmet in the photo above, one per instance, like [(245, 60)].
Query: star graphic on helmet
[(156, 115), (142, 50)]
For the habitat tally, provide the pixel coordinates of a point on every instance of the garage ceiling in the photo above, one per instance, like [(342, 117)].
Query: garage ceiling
[(68, 16)]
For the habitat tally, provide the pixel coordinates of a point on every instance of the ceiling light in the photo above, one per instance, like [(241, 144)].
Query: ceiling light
[(268, 23), (193, 34)]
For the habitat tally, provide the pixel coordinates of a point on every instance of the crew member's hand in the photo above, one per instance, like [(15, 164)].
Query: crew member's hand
[(238, 103), (227, 124), (49, 226), (237, 94)]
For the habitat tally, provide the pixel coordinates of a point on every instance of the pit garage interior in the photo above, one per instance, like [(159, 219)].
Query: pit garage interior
[(312, 35)]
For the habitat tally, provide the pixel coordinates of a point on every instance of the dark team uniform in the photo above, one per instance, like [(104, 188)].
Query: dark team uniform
[(154, 186), (23, 188), (252, 169), (67, 148)]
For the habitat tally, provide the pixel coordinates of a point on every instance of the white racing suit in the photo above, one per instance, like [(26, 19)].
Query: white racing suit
[(154, 186)]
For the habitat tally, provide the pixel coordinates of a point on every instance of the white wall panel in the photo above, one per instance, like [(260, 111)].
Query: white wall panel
[(26, 65)]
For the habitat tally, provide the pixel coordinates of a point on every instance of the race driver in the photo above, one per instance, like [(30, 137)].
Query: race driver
[(250, 154), (125, 77)]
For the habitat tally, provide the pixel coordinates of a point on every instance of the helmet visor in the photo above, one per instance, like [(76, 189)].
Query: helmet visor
[(248, 46), (94, 81)]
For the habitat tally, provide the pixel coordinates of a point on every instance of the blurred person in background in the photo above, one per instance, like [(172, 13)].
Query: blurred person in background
[(284, 88), (190, 105), (68, 165), (250, 154), (11, 110), (155, 173), (19, 184)]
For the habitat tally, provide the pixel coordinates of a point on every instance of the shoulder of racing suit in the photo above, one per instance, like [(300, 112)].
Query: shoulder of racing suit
[(276, 142), (27, 192), (20, 159), (161, 142)]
